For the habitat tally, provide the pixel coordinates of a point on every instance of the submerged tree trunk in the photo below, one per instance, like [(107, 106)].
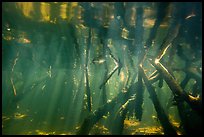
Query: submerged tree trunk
[(95, 116), (161, 13), (139, 31), (139, 97), (117, 128), (163, 118)]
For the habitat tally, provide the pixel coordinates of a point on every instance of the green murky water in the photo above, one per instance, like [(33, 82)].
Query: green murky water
[(92, 68)]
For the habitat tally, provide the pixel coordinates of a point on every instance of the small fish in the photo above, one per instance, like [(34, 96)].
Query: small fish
[(19, 116), (105, 117), (23, 40), (61, 118), (49, 72), (190, 16), (98, 60), (43, 87), (155, 118), (5, 118), (77, 127)]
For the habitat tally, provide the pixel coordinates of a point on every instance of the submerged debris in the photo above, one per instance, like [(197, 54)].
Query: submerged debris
[(149, 131), (99, 129)]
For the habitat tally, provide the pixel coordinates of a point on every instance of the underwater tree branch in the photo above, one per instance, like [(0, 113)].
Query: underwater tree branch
[(12, 70), (117, 67), (185, 81), (13, 86), (154, 79), (172, 34), (191, 72), (104, 96), (109, 76), (88, 92), (195, 103)]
